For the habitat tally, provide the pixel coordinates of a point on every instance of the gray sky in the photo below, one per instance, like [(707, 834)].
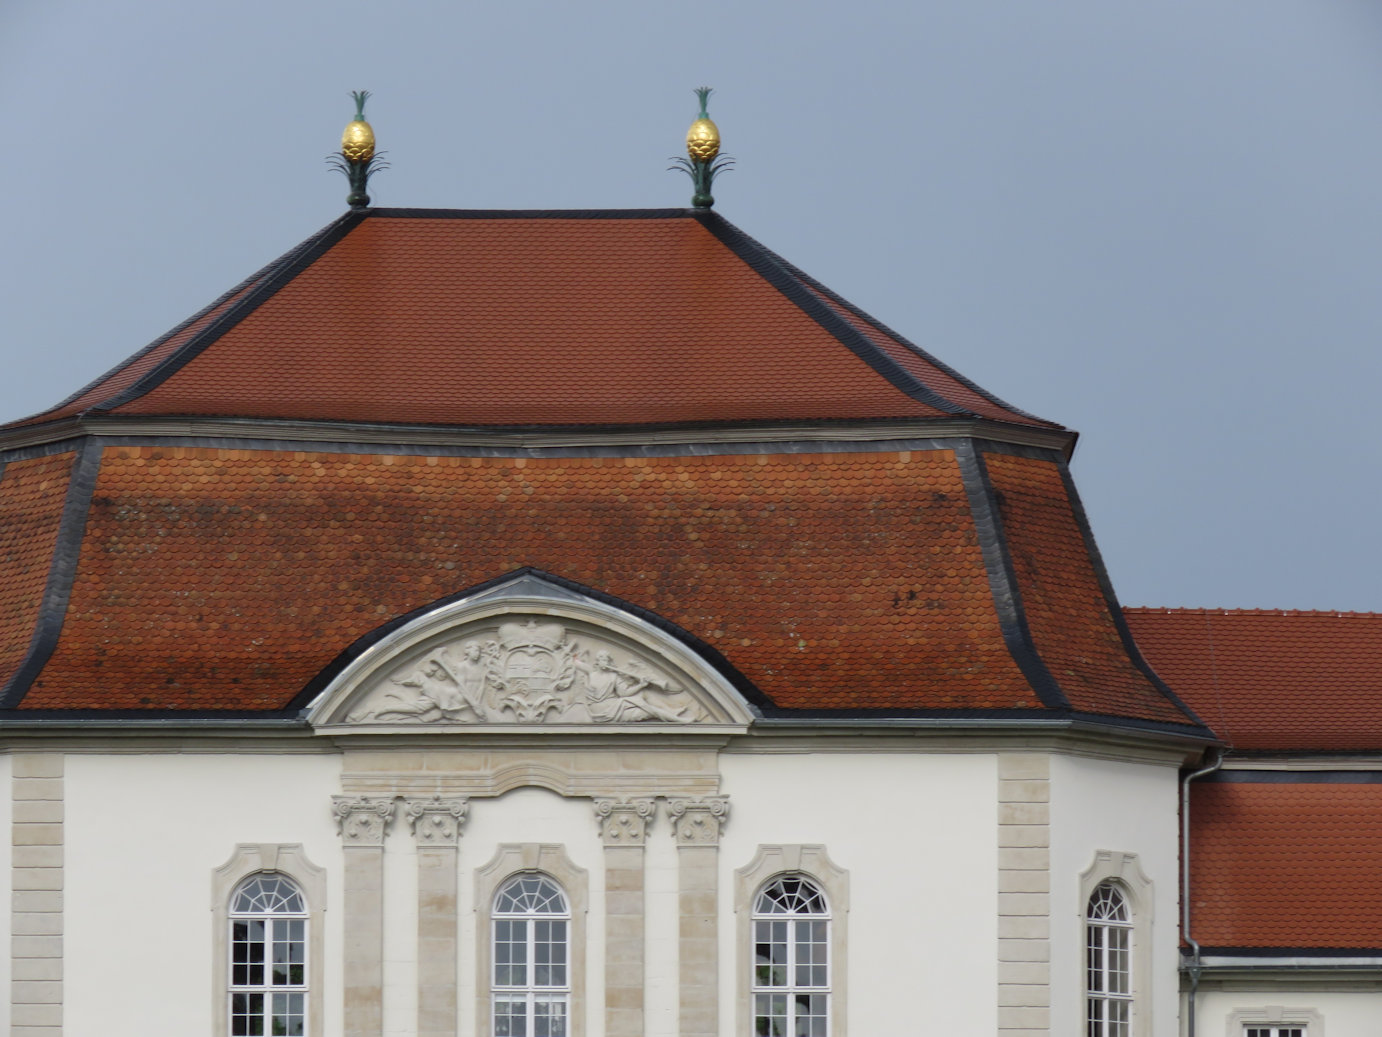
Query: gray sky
[(1157, 223)]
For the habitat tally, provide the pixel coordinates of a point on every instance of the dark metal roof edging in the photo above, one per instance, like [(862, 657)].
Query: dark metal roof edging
[(707, 652), (57, 590), (874, 322), (1115, 610), (282, 271), (764, 264), (1003, 586)]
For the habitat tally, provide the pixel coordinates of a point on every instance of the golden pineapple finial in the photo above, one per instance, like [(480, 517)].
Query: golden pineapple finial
[(703, 138), (703, 148), (357, 142), (357, 159)]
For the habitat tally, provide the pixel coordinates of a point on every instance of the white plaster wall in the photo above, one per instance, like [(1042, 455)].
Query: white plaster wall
[(918, 835), (143, 835), (1346, 1014), (531, 815), (1124, 807)]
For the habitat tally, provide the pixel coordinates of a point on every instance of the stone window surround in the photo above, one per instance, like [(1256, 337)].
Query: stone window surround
[(549, 859), (1274, 1015), (286, 859), (813, 862), (1124, 871)]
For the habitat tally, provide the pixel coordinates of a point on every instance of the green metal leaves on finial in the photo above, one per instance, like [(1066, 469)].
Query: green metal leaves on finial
[(703, 95), (357, 158), (704, 161)]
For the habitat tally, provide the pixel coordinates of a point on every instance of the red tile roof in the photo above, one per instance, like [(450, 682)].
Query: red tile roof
[(1286, 865), (1071, 619), (485, 319), (216, 578), (32, 494), (1272, 680)]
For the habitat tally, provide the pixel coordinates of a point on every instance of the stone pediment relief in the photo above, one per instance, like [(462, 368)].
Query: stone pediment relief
[(528, 655), (528, 671)]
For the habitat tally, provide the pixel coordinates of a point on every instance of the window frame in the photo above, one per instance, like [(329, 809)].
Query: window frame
[(1275, 1017), (1124, 872), (274, 922), (289, 861), (510, 861), (1107, 971), (811, 862), (530, 991)]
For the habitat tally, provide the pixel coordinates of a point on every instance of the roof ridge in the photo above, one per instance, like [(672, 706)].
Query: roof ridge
[(1168, 610), (272, 278), (766, 263), (900, 339)]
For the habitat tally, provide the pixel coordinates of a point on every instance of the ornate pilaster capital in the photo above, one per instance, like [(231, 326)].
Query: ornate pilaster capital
[(362, 820), (624, 822), (697, 822), (437, 821)]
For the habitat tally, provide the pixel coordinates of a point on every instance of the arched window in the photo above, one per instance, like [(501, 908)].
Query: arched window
[(531, 987), (1108, 963), (791, 968), (268, 958)]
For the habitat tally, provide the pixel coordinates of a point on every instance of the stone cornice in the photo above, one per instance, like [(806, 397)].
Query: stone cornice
[(648, 440)]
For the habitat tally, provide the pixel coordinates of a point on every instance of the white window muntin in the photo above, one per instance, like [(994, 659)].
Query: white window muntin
[(268, 958), (530, 982), (791, 959), (1108, 963)]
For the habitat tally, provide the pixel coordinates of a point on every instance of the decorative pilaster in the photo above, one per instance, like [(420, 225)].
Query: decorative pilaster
[(36, 878), (436, 825), (624, 829), (1024, 894), (363, 822), (696, 824)]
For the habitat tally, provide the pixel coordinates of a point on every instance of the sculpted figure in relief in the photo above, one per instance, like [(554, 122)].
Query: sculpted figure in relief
[(532, 673)]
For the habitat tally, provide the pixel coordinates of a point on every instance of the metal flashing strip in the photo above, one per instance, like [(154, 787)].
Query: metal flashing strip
[(62, 570), (1303, 777), (1003, 584), (1115, 610)]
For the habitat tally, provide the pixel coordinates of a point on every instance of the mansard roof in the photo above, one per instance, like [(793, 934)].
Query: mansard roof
[(1272, 680), (647, 406), (584, 318)]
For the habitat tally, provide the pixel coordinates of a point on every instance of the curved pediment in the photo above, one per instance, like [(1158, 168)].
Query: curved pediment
[(528, 653)]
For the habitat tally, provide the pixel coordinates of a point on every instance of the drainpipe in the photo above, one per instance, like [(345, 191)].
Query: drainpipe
[(1194, 969)]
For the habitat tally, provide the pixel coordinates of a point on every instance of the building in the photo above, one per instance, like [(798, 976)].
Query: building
[(546, 623)]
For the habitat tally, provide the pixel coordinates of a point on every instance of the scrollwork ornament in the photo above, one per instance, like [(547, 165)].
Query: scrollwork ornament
[(697, 822), (437, 821), (362, 820), (624, 822)]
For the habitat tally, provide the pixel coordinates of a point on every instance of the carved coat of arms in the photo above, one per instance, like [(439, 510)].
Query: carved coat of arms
[(530, 672)]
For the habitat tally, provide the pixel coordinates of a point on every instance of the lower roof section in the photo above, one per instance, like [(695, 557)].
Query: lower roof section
[(1286, 867), (869, 582)]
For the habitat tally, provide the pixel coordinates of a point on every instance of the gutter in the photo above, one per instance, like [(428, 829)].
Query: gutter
[(1196, 965)]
